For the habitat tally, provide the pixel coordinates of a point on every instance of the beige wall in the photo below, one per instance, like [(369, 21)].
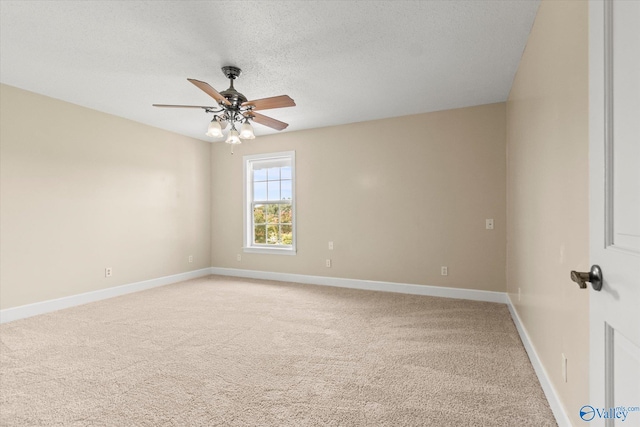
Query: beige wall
[(398, 197), (548, 210), (82, 190)]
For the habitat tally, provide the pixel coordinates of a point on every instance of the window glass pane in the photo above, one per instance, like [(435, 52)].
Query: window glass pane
[(274, 190), (285, 172), (285, 214), (259, 191), (272, 234), (260, 234), (258, 214), (273, 214), (286, 234), (274, 174), (259, 175), (286, 189)]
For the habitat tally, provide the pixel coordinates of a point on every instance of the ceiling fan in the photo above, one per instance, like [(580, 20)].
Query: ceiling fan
[(234, 108)]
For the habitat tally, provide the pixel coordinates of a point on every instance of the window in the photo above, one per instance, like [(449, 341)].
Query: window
[(269, 211)]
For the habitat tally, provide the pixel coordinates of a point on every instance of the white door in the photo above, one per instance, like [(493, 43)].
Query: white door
[(614, 157)]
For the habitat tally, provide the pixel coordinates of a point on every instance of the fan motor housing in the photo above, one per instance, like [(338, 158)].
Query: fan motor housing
[(234, 97)]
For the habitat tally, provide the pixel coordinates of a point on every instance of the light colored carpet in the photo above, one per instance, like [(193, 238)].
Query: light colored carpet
[(220, 351)]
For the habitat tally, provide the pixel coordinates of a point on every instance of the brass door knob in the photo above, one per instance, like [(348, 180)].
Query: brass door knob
[(594, 276)]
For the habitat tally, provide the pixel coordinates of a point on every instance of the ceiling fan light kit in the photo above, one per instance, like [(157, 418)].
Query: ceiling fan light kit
[(234, 108)]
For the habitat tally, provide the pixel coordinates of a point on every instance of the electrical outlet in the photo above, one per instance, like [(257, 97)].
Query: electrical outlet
[(108, 272), (330, 246), (564, 367), (327, 263), (444, 271), (489, 224), (238, 257), (190, 258)]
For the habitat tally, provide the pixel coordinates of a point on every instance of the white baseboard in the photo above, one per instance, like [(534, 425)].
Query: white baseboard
[(370, 285), (29, 310), (550, 392), (24, 311)]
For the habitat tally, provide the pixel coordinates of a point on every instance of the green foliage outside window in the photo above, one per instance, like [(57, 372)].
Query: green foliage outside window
[(272, 224)]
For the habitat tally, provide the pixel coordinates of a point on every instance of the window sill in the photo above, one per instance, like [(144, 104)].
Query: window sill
[(273, 251)]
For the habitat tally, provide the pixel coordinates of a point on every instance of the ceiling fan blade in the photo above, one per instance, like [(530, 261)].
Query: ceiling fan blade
[(267, 121), (273, 102), (183, 106), (205, 87)]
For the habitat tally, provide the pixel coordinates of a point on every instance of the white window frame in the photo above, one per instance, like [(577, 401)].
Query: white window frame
[(248, 245)]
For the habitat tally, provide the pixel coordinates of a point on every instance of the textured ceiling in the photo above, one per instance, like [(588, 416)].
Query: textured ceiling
[(341, 61)]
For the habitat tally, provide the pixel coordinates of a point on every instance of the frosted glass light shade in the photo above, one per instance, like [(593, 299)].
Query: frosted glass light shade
[(246, 131), (234, 137), (214, 130)]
